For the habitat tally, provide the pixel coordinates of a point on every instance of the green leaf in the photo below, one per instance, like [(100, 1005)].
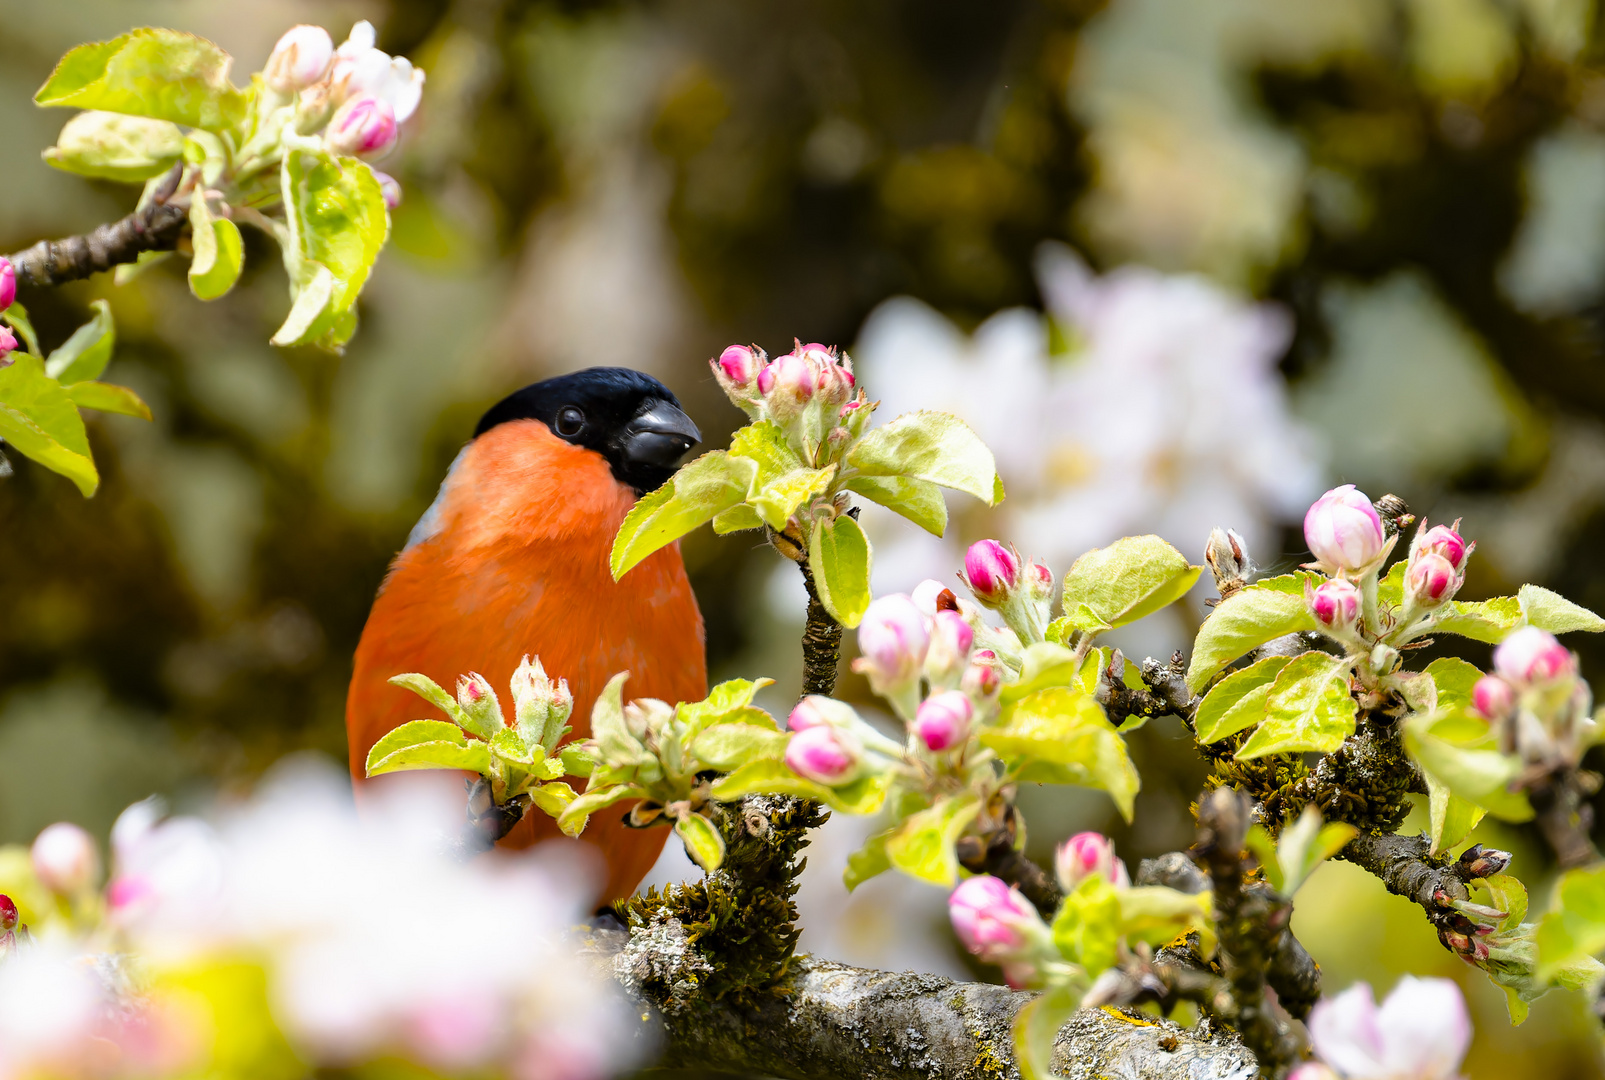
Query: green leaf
[(1457, 750), (576, 760), (1484, 620), (1035, 1027), (724, 702), (510, 746), (863, 796), (430, 691), (737, 519), (839, 557), (1309, 708), (107, 146), (1156, 915), (572, 820), (1454, 679), (1087, 926), (935, 447), (868, 861), (554, 798), (1576, 926), (707, 486), (1553, 612), (1306, 844), (1450, 817), (780, 498), (164, 74), (1060, 735), (216, 265), (1390, 586), (1043, 664), (1129, 579), (16, 317), (1263, 848), (336, 223), (729, 746), (922, 846), (105, 397), (1242, 622), (85, 354), (427, 744), (1237, 701), (920, 501), (766, 444), (1289, 584), (40, 420), (702, 841)]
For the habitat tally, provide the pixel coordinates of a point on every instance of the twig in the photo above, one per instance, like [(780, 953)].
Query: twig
[(996, 852), (1167, 692), (821, 643), (156, 226)]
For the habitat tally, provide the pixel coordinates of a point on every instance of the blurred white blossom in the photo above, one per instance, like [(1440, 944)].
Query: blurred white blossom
[(1420, 1032)]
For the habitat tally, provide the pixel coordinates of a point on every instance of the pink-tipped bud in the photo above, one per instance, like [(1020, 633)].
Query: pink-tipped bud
[(893, 639), (982, 680), (389, 187), (1431, 580), (811, 712), (991, 570), (1444, 540), (1039, 579), (1087, 855), (364, 127), (1335, 604), (943, 720), (1344, 530), (788, 382), (65, 859), (738, 366), (300, 59), (1530, 656), (992, 920), (8, 284), (951, 640), (1493, 697), (8, 345), (9, 916), (826, 755)]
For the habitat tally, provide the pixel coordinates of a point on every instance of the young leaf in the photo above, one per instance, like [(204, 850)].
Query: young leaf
[(1156, 915), (1237, 701), (737, 519), (1481, 620), (932, 446), (1309, 708), (336, 223), (157, 73), (1472, 768), (1450, 817), (1263, 848), (40, 420), (85, 354), (920, 501), (780, 497), (702, 841), (1575, 928), (554, 798), (430, 691), (215, 275), (105, 397), (1061, 736), (922, 846), (1043, 664), (414, 733), (712, 483), (1131, 578), (427, 744), (1242, 622), (728, 746), (106, 146), (1453, 678), (863, 796), (1087, 926), (572, 820), (16, 317), (839, 557), (1035, 1027), (766, 444), (868, 861), (724, 702), (1553, 612), (1306, 844)]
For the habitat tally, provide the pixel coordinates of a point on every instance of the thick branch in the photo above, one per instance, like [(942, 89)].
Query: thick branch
[(833, 1020), (156, 226)]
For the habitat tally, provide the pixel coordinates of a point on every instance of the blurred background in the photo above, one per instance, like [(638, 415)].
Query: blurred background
[(1182, 263)]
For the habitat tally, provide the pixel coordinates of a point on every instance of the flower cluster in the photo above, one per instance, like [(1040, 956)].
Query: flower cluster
[(356, 94), (810, 392), (1540, 708), (331, 919)]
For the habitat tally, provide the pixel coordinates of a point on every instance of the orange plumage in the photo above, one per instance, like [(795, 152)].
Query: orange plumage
[(514, 561)]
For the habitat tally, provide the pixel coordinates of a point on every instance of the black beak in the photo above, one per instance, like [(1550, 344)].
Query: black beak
[(660, 436)]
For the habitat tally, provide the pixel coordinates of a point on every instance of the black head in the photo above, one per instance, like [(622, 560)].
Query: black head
[(629, 418)]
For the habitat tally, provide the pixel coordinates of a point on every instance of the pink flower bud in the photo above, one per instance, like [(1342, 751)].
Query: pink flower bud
[(8, 345), (1335, 604), (1344, 530), (949, 654), (1446, 541), (811, 712), (943, 720), (1086, 855), (1531, 655), (1431, 579), (825, 755), (8, 284), (739, 365), (300, 59), (982, 679), (1493, 697), (788, 378), (893, 639), (364, 126), (991, 571), (992, 920), (65, 859), (9, 916), (389, 187)]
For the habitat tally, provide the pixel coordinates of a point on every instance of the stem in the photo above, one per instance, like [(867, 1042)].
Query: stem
[(821, 642), (156, 226), (1564, 818)]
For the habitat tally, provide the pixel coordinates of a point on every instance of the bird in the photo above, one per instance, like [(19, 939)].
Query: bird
[(511, 559)]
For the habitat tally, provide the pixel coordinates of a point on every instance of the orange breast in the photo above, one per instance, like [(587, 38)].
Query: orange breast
[(513, 560)]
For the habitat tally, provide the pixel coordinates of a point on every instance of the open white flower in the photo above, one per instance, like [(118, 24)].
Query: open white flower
[(361, 69), (1419, 1033)]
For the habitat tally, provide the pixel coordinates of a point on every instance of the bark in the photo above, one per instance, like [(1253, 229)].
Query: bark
[(1405, 865), (821, 643), (156, 226), (827, 1019)]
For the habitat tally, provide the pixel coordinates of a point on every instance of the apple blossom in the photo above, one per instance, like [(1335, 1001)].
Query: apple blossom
[(992, 571), (943, 720), (1335, 604), (8, 283), (1430, 579), (300, 59), (1530, 655), (1344, 531), (1493, 697), (1420, 1032), (825, 754), (1088, 854), (364, 126)]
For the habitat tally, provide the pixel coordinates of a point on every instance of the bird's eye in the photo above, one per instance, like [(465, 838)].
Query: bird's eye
[(569, 421)]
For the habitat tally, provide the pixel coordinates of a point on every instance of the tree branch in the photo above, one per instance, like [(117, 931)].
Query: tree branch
[(829, 1019), (821, 643), (1564, 818), (156, 226)]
